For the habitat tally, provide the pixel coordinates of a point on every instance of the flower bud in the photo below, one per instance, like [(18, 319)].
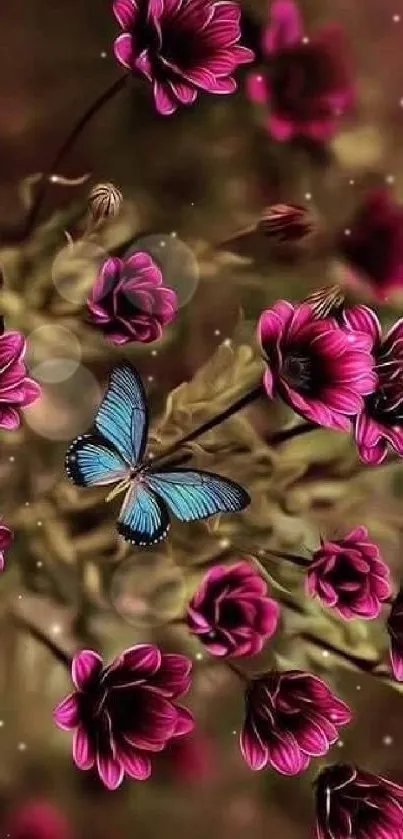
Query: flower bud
[(104, 202), (286, 223)]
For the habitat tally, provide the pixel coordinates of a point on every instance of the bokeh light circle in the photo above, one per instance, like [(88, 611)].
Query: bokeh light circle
[(177, 262), (75, 270), (66, 407), (53, 353), (148, 590)]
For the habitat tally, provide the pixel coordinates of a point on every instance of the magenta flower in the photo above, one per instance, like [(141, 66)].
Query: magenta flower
[(129, 302), (6, 538), (123, 713), (290, 718), (316, 366), (349, 576), (231, 612), (181, 47), (353, 804), (37, 819), (373, 245), (395, 631), (306, 82), (16, 389), (379, 423)]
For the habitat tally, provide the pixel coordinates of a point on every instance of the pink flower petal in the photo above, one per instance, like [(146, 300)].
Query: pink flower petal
[(135, 764), (12, 348), (86, 666), (143, 659), (110, 771), (285, 755), (125, 12), (9, 418), (280, 128), (256, 89), (124, 49), (254, 752), (83, 752), (285, 26), (184, 723), (396, 658), (164, 101), (67, 714)]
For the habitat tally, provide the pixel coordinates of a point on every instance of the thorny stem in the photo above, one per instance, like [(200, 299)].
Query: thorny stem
[(64, 149), (43, 639)]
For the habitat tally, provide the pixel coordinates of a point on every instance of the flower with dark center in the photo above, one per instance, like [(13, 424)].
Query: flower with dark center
[(181, 47), (306, 82), (315, 365), (122, 713), (17, 390), (354, 804), (379, 423)]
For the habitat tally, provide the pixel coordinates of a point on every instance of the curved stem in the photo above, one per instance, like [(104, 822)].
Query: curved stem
[(96, 106), (294, 559), (290, 433), (43, 639), (359, 663), (240, 675)]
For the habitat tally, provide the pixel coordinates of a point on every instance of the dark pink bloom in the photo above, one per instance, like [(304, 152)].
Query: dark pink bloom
[(6, 538), (316, 366), (353, 804), (129, 302), (395, 630), (379, 423), (290, 718), (306, 82), (181, 47), (231, 611), (37, 819), (124, 712), (191, 759), (349, 576), (16, 389), (373, 245)]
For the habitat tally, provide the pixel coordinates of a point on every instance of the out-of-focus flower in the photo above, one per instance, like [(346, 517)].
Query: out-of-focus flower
[(395, 630), (124, 712), (290, 718), (372, 243), (191, 759), (286, 223), (16, 389), (181, 47), (129, 302), (306, 82), (354, 804), (37, 819), (231, 612), (350, 576), (379, 423), (6, 538), (104, 201), (317, 367)]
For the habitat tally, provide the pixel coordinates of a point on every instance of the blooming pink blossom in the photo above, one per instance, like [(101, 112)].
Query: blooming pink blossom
[(6, 538), (306, 82), (315, 365), (16, 389), (350, 576), (181, 47), (124, 712), (290, 718), (395, 631), (231, 612), (354, 804)]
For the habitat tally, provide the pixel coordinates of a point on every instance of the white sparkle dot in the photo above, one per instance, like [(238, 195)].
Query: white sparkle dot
[(22, 747), (401, 102), (104, 54), (224, 543), (325, 653), (308, 196), (162, 244), (259, 79), (11, 459), (53, 179), (150, 378), (39, 523), (192, 203), (305, 39), (234, 731), (347, 231), (20, 597), (358, 687), (39, 563), (56, 629), (151, 455), (154, 352), (174, 234), (351, 181), (227, 342), (340, 744), (1, 723), (27, 503), (199, 656), (217, 332), (387, 740), (396, 18), (390, 179)]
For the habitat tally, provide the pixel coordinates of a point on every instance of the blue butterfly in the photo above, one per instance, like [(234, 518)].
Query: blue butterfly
[(113, 453)]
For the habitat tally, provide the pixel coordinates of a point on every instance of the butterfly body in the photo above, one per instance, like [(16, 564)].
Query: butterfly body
[(112, 454)]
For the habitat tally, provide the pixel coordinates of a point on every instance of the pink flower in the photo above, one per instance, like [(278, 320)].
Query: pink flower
[(191, 760), (286, 224), (306, 82), (379, 423), (290, 718), (395, 631), (129, 302), (316, 366), (181, 47), (16, 389), (37, 819), (374, 244), (231, 612), (6, 538), (349, 576), (124, 712), (353, 804)]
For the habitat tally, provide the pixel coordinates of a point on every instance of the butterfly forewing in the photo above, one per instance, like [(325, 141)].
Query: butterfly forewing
[(192, 494), (122, 418)]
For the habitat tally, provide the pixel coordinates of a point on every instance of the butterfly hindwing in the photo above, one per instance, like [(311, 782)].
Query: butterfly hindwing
[(193, 494), (144, 518), (90, 462), (122, 418)]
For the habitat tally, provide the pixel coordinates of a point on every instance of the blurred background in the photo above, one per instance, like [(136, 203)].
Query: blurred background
[(189, 183)]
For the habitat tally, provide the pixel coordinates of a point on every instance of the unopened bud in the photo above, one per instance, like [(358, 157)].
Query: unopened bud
[(104, 202)]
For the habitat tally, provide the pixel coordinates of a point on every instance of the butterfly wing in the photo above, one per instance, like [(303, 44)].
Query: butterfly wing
[(89, 462), (193, 494), (122, 418), (144, 518)]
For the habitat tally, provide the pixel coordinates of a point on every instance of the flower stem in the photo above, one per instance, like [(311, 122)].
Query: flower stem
[(359, 663), (240, 403), (290, 433), (240, 675), (96, 106), (294, 559), (43, 639)]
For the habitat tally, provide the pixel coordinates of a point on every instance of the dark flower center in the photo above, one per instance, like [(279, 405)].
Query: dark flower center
[(298, 372), (299, 77), (386, 404), (371, 250)]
